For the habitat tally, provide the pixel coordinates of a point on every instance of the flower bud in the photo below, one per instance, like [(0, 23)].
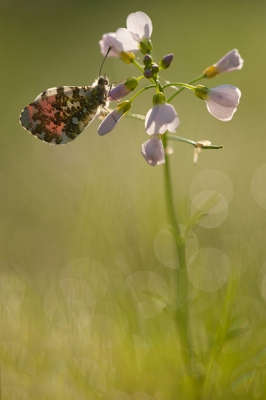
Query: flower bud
[(166, 61), (154, 68), (148, 74), (112, 119), (131, 83), (145, 46), (151, 71), (123, 89), (147, 60)]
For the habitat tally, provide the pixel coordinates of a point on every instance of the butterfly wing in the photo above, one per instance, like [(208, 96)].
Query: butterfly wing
[(59, 115)]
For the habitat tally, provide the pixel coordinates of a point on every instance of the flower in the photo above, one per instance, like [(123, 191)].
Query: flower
[(137, 34), (112, 119), (230, 62), (221, 101), (153, 151), (161, 118), (123, 89)]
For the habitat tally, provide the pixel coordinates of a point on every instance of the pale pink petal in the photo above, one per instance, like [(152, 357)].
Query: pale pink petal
[(172, 126), (220, 112), (109, 39), (225, 95), (125, 40), (222, 101), (118, 92), (140, 25), (112, 119), (123, 89), (230, 62), (153, 151), (166, 114), (109, 123), (160, 118)]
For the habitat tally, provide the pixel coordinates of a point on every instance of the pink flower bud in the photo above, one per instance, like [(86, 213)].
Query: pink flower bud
[(166, 61), (112, 119)]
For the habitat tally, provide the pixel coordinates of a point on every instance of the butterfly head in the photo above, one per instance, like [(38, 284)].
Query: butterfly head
[(103, 80)]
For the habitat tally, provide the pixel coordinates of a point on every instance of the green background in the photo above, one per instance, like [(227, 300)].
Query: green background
[(96, 200)]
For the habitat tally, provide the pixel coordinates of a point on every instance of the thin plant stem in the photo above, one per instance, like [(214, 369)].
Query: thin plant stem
[(182, 88), (137, 65), (193, 143), (181, 313), (141, 91)]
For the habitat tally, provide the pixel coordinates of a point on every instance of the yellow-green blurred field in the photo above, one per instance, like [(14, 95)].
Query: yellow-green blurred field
[(87, 263)]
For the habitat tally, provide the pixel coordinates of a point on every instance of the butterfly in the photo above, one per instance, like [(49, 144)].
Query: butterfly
[(58, 115)]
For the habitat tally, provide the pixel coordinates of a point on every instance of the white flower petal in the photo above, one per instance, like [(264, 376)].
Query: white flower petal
[(165, 113), (160, 118), (222, 101), (230, 62), (172, 126), (220, 112), (225, 95), (153, 151), (140, 25), (109, 39), (125, 40)]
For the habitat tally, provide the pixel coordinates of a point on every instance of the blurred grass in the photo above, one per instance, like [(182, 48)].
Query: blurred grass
[(97, 199)]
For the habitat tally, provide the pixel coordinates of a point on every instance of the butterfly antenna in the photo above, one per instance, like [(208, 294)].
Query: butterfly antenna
[(108, 51)]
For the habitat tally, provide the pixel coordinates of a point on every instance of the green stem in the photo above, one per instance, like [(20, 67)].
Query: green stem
[(137, 65), (184, 85), (170, 208), (182, 88), (181, 308), (140, 91), (193, 143), (181, 139)]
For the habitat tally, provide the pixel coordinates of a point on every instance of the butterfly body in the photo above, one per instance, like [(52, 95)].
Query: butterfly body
[(60, 114)]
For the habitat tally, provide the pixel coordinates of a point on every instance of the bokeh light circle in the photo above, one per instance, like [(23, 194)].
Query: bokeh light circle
[(165, 246), (209, 270), (215, 215), (214, 180)]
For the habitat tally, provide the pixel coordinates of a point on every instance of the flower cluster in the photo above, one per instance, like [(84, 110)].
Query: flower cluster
[(221, 101)]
